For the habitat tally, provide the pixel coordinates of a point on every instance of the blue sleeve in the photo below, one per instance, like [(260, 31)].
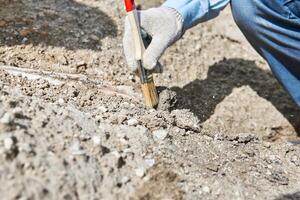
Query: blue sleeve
[(196, 11)]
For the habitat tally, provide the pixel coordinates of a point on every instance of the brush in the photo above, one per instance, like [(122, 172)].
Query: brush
[(147, 82)]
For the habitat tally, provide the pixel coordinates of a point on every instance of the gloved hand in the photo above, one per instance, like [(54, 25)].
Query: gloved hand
[(164, 25)]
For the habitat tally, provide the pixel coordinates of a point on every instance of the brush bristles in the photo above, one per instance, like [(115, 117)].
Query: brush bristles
[(150, 94)]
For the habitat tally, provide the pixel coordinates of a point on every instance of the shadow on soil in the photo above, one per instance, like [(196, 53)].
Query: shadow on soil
[(295, 196), (62, 23), (226, 75)]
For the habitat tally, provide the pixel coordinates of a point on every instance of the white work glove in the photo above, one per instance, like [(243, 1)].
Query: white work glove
[(164, 25)]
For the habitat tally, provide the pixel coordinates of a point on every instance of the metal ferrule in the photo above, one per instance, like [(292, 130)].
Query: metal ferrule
[(144, 74)]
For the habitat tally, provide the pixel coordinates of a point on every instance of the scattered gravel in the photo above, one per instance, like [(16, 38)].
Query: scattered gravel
[(73, 124)]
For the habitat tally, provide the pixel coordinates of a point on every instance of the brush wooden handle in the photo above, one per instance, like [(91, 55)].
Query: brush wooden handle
[(135, 29)]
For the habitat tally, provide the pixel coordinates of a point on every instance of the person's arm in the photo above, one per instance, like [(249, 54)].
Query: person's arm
[(166, 24), (196, 11)]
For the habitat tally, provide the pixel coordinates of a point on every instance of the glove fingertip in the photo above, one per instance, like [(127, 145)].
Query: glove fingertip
[(148, 62), (149, 66)]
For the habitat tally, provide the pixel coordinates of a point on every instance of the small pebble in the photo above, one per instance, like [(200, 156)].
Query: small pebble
[(61, 101), (140, 172), (268, 172), (150, 162), (125, 179), (116, 154), (94, 37), (102, 109), (266, 144), (160, 134), (131, 76), (270, 167), (17, 111), (132, 122), (125, 104), (85, 40), (8, 143), (206, 189), (152, 110), (24, 40), (96, 140), (295, 160), (7, 118), (2, 23), (25, 147), (76, 149)]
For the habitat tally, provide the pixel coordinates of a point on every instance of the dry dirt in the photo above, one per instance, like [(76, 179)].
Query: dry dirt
[(73, 125)]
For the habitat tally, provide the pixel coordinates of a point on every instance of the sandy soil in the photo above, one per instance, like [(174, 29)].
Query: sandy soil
[(73, 124)]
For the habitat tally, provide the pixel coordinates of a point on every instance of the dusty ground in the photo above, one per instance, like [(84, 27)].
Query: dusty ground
[(73, 125)]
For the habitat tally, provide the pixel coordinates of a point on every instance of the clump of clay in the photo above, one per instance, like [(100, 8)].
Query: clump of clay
[(186, 120), (167, 100)]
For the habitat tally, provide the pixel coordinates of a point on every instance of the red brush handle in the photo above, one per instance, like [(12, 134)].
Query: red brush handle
[(130, 5)]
